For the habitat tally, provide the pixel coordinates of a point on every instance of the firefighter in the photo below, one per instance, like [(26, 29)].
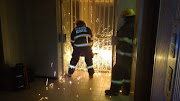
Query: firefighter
[(121, 72), (81, 40)]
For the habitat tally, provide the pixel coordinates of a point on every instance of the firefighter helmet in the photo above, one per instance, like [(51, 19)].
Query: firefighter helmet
[(127, 12), (80, 23)]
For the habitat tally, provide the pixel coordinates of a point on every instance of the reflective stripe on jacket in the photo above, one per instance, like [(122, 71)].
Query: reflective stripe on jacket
[(123, 53), (81, 37), (126, 39)]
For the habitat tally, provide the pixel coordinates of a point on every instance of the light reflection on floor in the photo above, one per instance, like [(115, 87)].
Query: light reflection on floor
[(77, 88)]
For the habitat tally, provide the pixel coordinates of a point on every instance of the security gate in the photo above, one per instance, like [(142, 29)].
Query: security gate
[(99, 17)]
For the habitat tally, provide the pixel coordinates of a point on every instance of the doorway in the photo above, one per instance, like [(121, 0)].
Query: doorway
[(70, 15), (99, 16)]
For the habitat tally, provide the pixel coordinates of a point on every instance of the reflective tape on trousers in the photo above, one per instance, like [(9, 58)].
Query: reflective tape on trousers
[(90, 67), (124, 53), (72, 66), (117, 82)]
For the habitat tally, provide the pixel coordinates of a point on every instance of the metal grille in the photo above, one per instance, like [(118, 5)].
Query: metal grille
[(98, 15)]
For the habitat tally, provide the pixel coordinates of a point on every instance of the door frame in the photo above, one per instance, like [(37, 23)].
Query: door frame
[(1, 49), (146, 28)]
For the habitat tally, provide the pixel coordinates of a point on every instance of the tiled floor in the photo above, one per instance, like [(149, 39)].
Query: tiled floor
[(77, 88)]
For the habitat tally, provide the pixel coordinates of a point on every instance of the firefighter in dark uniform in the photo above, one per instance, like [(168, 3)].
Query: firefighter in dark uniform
[(121, 72), (81, 40)]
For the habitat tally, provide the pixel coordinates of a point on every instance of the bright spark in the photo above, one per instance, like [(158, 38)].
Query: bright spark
[(51, 85), (61, 79), (101, 79), (41, 99), (52, 64), (78, 78), (70, 82), (47, 82), (46, 88), (54, 73)]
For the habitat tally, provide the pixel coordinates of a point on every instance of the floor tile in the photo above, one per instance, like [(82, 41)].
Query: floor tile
[(77, 88)]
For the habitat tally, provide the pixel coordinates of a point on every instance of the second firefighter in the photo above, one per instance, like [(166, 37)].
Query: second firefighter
[(121, 72)]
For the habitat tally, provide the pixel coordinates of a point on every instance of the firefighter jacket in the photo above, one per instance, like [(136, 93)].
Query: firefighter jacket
[(81, 37), (125, 37)]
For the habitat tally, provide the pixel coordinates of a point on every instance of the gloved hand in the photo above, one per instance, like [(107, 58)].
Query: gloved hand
[(114, 40)]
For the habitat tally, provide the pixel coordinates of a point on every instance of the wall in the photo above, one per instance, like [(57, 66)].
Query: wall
[(11, 13), (127, 4), (162, 49), (123, 4), (1, 50), (41, 37), (66, 29), (29, 34)]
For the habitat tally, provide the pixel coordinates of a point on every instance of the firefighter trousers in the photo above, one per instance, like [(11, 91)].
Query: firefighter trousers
[(121, 73), (81, 51)]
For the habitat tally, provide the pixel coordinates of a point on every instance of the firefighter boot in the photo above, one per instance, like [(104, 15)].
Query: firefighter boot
[(70, 71), (126, 88), (91, 72), (114, 90)]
